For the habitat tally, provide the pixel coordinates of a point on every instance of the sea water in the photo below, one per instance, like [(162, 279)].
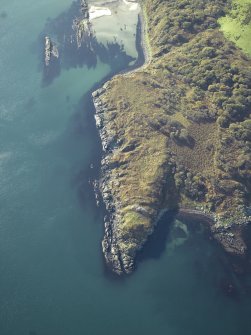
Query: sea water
[(52, 275)]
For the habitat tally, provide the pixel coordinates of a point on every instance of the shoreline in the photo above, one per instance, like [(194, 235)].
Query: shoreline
[(117, 262), (230, 238), (140, 62), (143, 49), (96, 12), (195, 213)]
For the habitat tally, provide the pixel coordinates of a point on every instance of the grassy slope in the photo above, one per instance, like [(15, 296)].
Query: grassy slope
[(236, 25), (181, 124)]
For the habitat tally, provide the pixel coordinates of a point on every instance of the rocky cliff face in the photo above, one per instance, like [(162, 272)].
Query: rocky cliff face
[(119, 248), (130, 219), (118, 261)]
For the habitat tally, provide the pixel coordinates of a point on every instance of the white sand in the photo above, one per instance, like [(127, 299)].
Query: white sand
[(96, 12), (132, 5), (118, 27)]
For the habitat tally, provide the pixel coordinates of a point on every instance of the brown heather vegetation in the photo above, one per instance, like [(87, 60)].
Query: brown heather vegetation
[(181, 125)]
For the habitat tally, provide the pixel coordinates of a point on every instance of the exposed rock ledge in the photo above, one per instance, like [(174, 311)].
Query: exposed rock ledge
[(51, 51), (118, 260)]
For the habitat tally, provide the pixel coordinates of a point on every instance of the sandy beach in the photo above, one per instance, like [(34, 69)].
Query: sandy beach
[(96, 12), (114, 22)]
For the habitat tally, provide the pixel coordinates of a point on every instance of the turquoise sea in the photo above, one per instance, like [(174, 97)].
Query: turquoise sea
[(52, 276)]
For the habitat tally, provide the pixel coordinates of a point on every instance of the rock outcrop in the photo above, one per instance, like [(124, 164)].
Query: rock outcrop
[(50, 51), (118, 260), (82, 25)]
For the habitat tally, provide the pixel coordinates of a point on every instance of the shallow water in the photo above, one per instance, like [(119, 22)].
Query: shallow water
[(53, 280)]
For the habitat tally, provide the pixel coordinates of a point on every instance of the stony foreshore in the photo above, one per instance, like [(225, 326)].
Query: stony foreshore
[(109, 243), (230, 237), (119, 261)]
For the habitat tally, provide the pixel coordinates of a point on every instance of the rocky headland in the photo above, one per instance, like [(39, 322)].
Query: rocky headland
[(176, 132)]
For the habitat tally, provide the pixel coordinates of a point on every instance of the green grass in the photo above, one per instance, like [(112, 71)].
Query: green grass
[(237, 24)]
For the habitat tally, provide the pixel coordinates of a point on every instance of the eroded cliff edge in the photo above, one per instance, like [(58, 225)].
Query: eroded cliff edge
[(176, 133)]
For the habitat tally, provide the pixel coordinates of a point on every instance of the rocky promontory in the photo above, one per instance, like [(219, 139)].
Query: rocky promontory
[(121, 242), (176, 133), (115, 244)]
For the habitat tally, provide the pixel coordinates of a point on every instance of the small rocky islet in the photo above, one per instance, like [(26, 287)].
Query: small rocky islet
[(176, 132), (81, 32)]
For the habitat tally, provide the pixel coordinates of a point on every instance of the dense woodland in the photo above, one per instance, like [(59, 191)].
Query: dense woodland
[(218, 78)]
